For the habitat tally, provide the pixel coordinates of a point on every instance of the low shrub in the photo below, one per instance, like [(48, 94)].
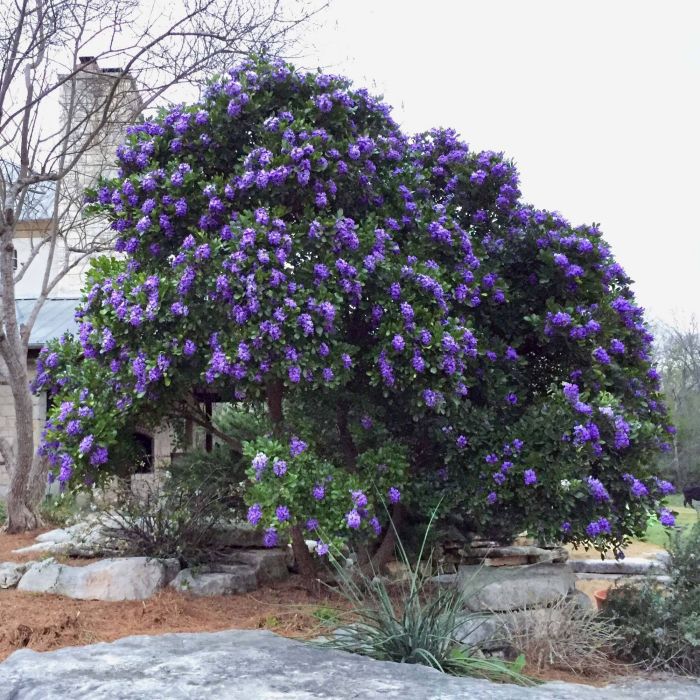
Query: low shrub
[(562, 636), (659, 626), (167, 520)]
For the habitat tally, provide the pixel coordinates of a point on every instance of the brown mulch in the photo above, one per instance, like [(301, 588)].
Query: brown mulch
[(44, 622), (10, 542)]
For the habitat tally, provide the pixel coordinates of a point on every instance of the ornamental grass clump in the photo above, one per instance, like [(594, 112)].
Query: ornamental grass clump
[(407, 325), (412, 620)]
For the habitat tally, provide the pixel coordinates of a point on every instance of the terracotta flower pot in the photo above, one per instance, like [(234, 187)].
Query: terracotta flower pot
[(600, 598)]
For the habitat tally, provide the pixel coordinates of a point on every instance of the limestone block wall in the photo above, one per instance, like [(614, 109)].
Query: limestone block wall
[(7, 420)]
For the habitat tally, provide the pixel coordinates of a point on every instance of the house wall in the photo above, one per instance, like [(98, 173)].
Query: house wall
[(7, 420), (162, 440)]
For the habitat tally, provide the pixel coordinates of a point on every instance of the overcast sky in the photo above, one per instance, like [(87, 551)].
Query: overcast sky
[(597, 102)]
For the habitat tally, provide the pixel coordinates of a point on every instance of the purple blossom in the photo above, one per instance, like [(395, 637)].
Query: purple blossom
[(270, 538), (282, 513), (394, 495), (255, 514), (398, 343), (601, 356), (318, 492), (353, 519), (296, 446), (667, 518), (86, 444), (597, 490), (279, 467), (529, 477)]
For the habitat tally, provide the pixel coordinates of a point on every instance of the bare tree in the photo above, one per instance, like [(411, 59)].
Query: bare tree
[(56, 58), (678, 355)]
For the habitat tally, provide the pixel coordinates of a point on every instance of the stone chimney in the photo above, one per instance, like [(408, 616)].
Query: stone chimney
[(84, 103)]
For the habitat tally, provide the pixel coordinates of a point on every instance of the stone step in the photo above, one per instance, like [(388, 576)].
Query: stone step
[(629, 566)]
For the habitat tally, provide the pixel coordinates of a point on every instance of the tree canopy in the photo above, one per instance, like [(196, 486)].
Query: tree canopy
[(415, 332)]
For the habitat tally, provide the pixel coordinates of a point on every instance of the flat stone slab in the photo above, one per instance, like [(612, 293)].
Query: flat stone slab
[(630, 566), (129, 578), (259, 665), (235, 578), (517, 587)]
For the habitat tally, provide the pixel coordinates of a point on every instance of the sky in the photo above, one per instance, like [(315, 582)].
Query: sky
[(597, 102)]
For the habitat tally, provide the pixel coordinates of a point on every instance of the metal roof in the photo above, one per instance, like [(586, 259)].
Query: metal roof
[(55, 318)]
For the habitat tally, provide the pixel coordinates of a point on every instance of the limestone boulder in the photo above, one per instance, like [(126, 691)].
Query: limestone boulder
[(270, 565), (11, 573), (235, 579), (513, 588), (259, 665), (129, 578)]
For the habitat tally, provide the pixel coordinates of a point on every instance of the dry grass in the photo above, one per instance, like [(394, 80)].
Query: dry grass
[(561, 637)]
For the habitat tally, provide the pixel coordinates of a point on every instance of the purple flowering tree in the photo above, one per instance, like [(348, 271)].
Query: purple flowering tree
[(414, 332)]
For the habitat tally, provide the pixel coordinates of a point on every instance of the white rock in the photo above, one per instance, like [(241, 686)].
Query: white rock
[(11, 573), (58, 535), (130, 578)]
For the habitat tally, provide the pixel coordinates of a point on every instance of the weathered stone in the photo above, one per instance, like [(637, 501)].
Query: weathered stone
[(270, 565), (130, 578), (11, 573), (631, 566), (58, 535), (513, 588), (238, 578), (581, 599), (259, 665), (514, 555)]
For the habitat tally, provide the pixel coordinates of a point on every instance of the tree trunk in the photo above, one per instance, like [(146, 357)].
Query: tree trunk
[(305, 562), (387, 547), (21, 515), (21, 510)]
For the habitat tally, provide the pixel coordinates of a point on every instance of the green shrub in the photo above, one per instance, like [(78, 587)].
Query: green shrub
[(3, 512), (59, 510), (660, 626)]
